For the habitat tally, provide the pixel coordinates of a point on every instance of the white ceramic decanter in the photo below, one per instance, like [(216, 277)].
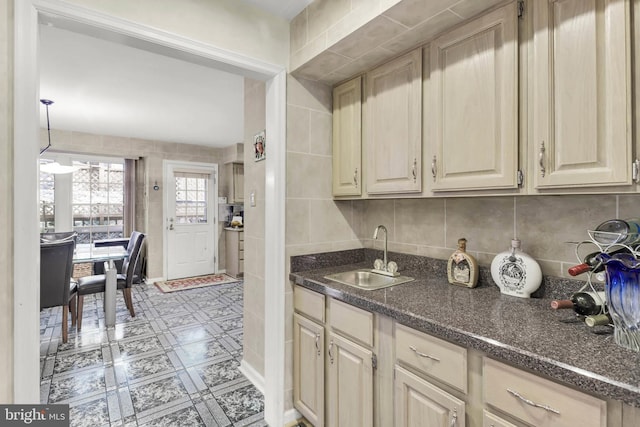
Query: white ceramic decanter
[(515, 272)]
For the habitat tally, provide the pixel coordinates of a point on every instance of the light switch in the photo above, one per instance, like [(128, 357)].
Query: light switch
[(252, 199)]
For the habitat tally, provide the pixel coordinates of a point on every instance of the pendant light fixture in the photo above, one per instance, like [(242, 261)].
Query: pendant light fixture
[(52, 167), (46, 103)]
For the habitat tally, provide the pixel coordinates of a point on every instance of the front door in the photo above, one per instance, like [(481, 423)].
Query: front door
[(191, 194)]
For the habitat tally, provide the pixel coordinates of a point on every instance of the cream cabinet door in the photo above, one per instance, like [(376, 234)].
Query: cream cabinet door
[(474, 104), (419, 403), (238, 182), (308, 369), (347, 138), (350, 386), (393, 127), (581, 93)]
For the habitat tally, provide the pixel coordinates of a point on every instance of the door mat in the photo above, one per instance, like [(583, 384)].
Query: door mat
[(194, 282)]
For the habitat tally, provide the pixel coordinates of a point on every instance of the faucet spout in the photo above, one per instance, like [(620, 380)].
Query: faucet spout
[(375, 236)]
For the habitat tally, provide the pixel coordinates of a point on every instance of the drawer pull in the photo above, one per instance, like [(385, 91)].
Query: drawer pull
[(331, 351), (318, 344), (454, 419), (415, 350), (532, 403)]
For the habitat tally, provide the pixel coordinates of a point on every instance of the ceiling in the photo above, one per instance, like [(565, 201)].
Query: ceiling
[(107, 88)]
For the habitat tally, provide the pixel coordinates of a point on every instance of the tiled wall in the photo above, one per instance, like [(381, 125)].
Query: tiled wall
[(254, 174), (6, 204), (314, 222), (153, 152), (544, 224)]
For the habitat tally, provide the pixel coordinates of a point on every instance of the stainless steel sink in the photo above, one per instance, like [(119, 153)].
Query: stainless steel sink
[(366, 279)]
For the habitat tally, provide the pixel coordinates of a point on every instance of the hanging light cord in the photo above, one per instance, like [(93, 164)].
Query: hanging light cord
[(46, 103)]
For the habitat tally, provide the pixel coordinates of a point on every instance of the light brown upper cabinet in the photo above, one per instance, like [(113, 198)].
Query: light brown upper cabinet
[(473, 105), (347, 138), (581, 94), (393, 127)]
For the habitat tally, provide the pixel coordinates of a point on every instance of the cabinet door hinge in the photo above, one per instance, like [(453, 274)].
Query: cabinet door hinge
[(520, 8), (374, 361), (520, 177)]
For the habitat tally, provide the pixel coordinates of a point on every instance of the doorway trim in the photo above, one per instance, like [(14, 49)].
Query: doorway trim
[(26, 148)]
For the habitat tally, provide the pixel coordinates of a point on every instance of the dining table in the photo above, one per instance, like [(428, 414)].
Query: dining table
[(89, 253)]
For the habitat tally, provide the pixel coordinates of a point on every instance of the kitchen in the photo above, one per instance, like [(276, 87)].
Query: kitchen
[(428, 226)]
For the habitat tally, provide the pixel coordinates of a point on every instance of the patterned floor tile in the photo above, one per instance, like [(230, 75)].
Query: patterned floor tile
[(241, 403), (175, 363), (160, 392)]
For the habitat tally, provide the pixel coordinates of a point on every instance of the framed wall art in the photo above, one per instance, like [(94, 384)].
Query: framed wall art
[(259, 146)]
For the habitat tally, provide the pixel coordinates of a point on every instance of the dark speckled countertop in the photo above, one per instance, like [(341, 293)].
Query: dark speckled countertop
[(526, 333)]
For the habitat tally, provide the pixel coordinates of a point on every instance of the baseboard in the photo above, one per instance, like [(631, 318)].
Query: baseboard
[(252, 375), (291, 416), (153, 280)]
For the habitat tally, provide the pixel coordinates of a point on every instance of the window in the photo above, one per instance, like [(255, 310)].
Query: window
[(97, 201), (191, 198), (47, 202)]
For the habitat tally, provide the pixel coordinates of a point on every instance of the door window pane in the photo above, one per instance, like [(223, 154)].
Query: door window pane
[(191, 198)]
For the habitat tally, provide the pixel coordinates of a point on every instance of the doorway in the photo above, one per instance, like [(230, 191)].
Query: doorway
[(191, 196), (25, 152)]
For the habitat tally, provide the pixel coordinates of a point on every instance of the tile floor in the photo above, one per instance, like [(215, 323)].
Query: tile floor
[(174, 364)]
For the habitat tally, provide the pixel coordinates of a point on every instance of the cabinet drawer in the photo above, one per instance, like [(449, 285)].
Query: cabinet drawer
[(352, 321), (241, 255), (491, 420), (517, 393), (309, 303), (241, 245), (241, 266), (241, 236), (434, 357)]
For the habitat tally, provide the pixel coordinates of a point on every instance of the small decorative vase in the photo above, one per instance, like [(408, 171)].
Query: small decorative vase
[(515, 272), (623, 297)]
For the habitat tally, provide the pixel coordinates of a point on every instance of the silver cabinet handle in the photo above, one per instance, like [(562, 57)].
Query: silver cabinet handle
[(433, 168), (635, 171), (541, 159), (318, 344), (355, 177), (532, 403), (415, 350), (454, 419), (330, 352), (414, 170)]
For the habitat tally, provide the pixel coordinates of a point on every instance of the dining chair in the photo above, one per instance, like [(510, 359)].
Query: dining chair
[(60, 236), (56, 286), (127, 243), (97, 283)]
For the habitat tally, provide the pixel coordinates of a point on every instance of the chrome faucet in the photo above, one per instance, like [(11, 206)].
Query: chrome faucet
[(375, 236)]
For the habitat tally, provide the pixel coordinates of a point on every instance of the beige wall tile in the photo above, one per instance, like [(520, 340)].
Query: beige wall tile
[(546, 223), (308, 176), (309, 51), (321, 65), (413, 12), (320, 133), (366, 62), (486, 223), (297, 221), (629, 206), (368, 37), (322, 14), (298, 129), (298, 31), (420, 221), (470, 8), (352, 21), (310, 94), (330, 222), (422, 33), (378, 212)]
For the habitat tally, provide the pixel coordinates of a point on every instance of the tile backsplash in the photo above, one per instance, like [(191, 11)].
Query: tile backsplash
[(548, 226)]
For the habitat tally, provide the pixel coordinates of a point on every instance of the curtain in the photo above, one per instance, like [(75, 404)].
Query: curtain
[(129, 207)]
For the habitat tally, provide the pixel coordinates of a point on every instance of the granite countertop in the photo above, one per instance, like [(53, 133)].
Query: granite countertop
[(526, 333)]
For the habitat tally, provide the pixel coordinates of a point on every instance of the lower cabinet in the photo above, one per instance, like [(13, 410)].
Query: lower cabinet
[(420, 403), (350, 388), (308, 369)]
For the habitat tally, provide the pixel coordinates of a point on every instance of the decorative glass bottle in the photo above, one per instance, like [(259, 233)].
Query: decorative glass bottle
[(462, 268), (515, 272)]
